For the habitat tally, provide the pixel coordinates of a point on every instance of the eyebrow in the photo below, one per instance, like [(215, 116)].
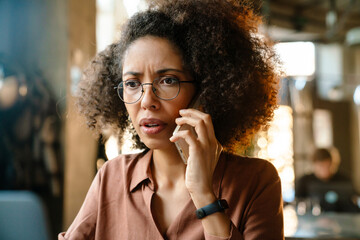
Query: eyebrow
[(132, 73), (169, 70), (158, 71)]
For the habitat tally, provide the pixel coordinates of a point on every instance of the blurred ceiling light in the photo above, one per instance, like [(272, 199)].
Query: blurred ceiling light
[(353, 36), (357, 95), (331, 19)]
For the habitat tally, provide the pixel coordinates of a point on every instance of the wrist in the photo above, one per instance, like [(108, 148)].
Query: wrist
[(216, 206), (201, 200)]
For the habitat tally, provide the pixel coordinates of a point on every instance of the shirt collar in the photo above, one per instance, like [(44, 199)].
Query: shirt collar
[(141, 170)]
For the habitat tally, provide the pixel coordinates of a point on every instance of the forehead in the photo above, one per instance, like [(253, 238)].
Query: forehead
[(151, 51)]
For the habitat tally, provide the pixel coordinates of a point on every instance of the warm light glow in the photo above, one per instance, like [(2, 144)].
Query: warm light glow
[(133, 6), (127, 146), (262, 142), (111, 147), (288, 174), (105, 23), (298, 58), (276, 145), (291, 221), (110, 15), (23, 90), (279, 163)]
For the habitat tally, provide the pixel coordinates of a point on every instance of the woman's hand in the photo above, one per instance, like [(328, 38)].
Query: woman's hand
[(203, 153)]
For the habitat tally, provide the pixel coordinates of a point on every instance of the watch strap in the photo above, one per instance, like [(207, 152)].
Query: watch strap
[(217, 206)]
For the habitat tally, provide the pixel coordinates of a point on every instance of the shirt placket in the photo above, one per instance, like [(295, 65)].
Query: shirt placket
[(148, 194)]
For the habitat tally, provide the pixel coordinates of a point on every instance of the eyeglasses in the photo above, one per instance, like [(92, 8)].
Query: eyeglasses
[(165, 88)]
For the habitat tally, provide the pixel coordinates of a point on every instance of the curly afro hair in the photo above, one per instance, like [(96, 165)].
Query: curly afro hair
[(235, 69)]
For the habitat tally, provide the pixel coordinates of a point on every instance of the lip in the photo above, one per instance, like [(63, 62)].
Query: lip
[(152, 130)]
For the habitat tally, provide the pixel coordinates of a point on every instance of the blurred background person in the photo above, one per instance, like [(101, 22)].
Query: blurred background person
[(326, 186)]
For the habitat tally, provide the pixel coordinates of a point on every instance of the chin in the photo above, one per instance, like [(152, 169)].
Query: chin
[(156, 143)]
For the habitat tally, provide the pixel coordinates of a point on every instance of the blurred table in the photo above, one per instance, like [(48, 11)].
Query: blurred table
[(324, 226)]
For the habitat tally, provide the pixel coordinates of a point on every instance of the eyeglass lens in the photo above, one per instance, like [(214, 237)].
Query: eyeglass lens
[(166, 88)]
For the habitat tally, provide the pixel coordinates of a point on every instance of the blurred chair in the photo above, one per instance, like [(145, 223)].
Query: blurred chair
[(22, 216)]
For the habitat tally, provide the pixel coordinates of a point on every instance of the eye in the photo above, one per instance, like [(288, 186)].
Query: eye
[(132, 84), (168, 81)]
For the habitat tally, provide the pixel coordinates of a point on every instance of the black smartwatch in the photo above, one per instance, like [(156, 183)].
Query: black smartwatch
[(217, 206)]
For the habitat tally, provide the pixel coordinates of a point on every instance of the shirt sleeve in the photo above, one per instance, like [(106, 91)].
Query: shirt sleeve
[(83, 227), (264, 218)]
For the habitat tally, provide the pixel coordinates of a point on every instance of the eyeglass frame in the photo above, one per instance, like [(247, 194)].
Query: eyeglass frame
[(152, 89)]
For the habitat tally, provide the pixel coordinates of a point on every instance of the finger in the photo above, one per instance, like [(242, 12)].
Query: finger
[(199, 126), (189, 138), (204, 116)]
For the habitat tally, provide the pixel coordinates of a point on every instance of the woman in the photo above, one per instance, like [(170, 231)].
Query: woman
[(167, 56)]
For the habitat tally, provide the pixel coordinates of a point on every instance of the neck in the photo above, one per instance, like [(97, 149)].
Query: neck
[(167, 166)]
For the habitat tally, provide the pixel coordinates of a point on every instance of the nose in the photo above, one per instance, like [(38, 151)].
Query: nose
[(149, 100)]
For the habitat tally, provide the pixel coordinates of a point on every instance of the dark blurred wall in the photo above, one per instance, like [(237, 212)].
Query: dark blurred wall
[(49, 38), (34, 34), (341, 118), (34, 41)]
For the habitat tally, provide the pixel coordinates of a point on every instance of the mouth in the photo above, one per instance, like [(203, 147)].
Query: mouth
[(152, 125)]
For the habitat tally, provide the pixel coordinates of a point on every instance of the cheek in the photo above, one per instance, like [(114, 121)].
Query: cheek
[(184, 99), (171, 111), (174, 108)]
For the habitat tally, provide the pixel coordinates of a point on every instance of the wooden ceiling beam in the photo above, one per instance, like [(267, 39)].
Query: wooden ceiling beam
[(310, 16)]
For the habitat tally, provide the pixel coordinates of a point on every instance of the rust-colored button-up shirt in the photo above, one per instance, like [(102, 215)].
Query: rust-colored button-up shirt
[(118, 204)]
